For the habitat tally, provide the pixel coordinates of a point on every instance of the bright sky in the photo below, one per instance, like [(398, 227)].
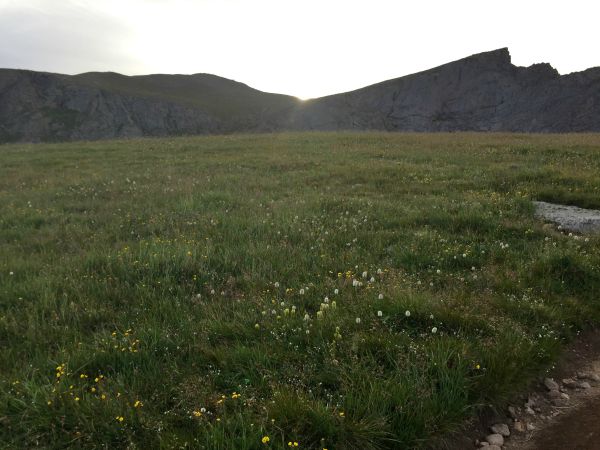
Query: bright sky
[(306, 48)]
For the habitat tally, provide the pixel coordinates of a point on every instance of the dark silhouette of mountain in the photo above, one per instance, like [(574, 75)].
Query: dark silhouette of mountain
[(484, 92)]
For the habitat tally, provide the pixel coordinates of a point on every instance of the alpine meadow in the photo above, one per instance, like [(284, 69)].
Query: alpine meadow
[(313, 290)]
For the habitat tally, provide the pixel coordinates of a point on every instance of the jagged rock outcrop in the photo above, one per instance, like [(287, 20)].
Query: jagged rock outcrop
[(483, 92)]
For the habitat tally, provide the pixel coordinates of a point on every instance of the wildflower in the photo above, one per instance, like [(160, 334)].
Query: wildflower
[(336, 291), (77, 399), (434, 330), (286, 312), (138, 404), (364, 274), (265, 439), (306, 317), (293, 311), (257, 326), (277, 284), (11, 273), (292, 444), (354, 283), (49, 402), (333, 305), (120, 418), (438, 271), (326, 300), (342, 414), (372, 280), (197, 414), (358, 320), (380, 296), (407, 313), (103, 397), (319, 315), (431, 316), (337, 334), (379, 271), (477, 366), (379, 313), (302, 291)]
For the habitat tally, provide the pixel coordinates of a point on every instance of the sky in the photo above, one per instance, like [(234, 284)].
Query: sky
[(306, 48)]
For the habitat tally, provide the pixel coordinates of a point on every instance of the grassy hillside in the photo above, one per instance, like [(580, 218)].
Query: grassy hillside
[(215, 94), (341, 291)]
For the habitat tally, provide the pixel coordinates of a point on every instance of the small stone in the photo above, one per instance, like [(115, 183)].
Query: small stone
[(500, 428), (519, 427), (493, 447), (484, 444), (554, 394), (565, 396), (570, 383), (530, 427), (588, 376), (528, 410), (584, 385), (550, 384), (495, 439), (512, 411), (560, 402)]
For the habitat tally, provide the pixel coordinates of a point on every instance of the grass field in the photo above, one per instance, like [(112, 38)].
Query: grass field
[(338, 291)]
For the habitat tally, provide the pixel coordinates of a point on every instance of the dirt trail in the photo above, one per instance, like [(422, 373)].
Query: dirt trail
[(575, 424), (579, 430)]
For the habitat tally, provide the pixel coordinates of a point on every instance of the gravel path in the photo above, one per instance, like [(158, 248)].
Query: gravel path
[(570, 218)]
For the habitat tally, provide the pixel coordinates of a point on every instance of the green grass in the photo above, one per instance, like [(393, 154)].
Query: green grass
[(171, 270)]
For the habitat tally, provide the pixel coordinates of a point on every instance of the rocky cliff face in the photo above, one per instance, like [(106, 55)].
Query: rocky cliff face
[(483, 92)]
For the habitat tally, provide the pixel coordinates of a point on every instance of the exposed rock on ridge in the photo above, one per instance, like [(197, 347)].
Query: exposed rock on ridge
[(483, 92)]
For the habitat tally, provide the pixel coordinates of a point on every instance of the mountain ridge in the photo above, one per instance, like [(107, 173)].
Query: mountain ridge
[(482, 92)]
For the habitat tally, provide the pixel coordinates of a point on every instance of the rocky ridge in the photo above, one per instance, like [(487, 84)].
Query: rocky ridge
[(483, 92)]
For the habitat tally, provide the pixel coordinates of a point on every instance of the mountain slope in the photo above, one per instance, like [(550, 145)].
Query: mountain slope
[(38, 106), (483, 92)]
